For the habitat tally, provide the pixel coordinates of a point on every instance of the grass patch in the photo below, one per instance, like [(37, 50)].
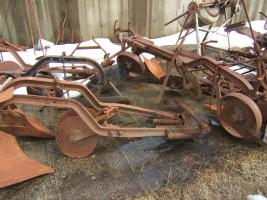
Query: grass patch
[(234, 176)]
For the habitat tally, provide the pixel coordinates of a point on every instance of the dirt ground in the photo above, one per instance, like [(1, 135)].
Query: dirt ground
[(214, 166)]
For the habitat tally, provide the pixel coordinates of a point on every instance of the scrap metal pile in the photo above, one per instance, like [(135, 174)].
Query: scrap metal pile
[(239, 100)]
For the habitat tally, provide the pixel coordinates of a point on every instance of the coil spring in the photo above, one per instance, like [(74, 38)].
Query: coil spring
[(167, 121), (179, 136)]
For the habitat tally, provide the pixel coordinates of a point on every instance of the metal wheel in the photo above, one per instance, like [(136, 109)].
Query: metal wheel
[(191, 84), (240, 115), (132, 62), (73, 136)]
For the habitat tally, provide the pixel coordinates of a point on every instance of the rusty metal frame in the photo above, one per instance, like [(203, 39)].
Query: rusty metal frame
[(42, 62), (216, 68), (217, 75), (92, 124), (140, 45), (96, 78)]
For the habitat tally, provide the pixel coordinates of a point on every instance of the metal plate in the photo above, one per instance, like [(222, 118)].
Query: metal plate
[(155, 68), (15, 166), (240, 115), (18, 123)]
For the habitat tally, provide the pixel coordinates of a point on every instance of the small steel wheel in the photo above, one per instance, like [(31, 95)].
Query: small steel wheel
[(240, 116), (191, 85), (73, 136), (132, 62)]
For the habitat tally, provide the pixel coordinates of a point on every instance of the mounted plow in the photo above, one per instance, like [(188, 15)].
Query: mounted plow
[(80, 126), (96, 118)]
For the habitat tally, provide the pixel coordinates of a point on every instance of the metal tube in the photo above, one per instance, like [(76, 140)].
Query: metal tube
[(37, 24), (256, 46), (197, 35), (29, 24), (176, 18)]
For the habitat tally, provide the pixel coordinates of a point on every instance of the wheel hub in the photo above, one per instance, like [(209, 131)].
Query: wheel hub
[(238, 116)]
